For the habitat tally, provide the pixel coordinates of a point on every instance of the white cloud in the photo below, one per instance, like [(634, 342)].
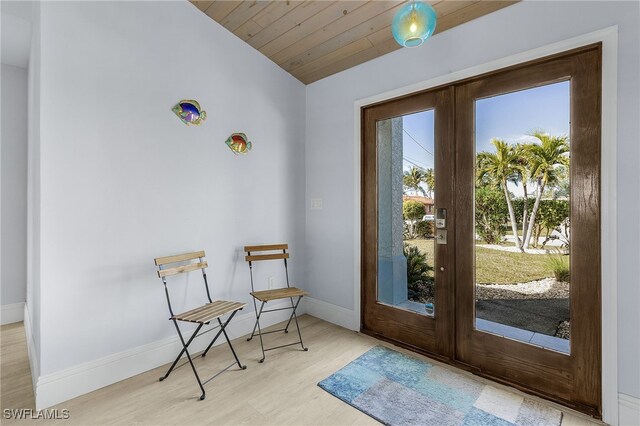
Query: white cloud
[(515, 139)]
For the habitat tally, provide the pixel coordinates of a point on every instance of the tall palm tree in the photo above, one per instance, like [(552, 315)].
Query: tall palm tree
[(413, 178), (523, 173), (430, 181), (501, 167), (544, 162)]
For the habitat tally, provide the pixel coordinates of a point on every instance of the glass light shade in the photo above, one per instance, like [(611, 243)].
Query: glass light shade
[(413, 24)]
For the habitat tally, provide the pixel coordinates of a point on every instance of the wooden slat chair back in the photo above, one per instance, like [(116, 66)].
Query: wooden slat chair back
[(169, 266), (256, 254)]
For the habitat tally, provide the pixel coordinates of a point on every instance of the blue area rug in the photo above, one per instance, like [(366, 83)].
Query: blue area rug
[(397, 389)]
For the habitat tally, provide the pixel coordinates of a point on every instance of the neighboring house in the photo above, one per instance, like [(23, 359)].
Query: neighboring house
[(426, 202)]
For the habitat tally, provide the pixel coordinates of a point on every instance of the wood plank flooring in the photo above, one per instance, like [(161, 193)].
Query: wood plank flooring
[(282, 391), (16, 388)]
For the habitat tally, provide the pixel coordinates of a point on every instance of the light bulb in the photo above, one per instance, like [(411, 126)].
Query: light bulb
[(413, 23)]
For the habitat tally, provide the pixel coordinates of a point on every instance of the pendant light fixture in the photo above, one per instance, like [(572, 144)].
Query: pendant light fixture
[(413, 23)]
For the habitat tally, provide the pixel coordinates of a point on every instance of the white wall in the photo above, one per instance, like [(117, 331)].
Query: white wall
[(14, 185), (122, 180), (524, 26), (16, 32)]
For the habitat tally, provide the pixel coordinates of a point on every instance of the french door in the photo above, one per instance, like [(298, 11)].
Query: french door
[(481, 225), (388, 308)]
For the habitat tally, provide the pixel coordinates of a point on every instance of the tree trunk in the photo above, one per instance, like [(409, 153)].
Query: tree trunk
[(536, 237), (512, 215), (525, 211), (534, 212)]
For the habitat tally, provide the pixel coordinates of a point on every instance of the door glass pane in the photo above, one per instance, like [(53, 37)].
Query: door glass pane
[(522, 192), (406, 212)]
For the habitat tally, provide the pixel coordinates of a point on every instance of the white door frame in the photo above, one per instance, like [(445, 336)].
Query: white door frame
[(609, 38)]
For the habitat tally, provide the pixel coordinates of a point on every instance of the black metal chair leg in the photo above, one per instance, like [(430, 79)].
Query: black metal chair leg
[(260, 333), (244, 367), (286, 329), (220, 332), (193, 367), (184, 348), (253, 332), (172, 366), (295, 316), (212, 342)]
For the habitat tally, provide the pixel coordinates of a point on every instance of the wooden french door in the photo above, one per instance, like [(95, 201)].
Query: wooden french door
[(574, 377), (413, 326), (567, 371)]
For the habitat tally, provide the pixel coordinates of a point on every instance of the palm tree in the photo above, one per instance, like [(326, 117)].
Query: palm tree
[(561, 187), (501, 167), (413, 178), (523, 176), (544, 161), (430, 181)]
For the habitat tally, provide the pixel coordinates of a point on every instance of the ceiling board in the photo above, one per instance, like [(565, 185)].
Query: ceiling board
[(248, 29), (350, 62), (275, 11), (243, 13), (313, 39), (202, 5), (317, 22), (466, 14), (352, 34), (295, 52), (218, 10), (295, 17)]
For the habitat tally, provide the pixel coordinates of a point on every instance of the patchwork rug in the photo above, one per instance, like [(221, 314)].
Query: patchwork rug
[(397, 389)]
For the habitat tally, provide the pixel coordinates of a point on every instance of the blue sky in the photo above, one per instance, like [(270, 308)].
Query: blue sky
[(514, 115), (511, 117), (418, 126)]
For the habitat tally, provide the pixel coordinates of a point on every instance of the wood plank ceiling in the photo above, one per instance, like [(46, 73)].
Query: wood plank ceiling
[(315, 39)]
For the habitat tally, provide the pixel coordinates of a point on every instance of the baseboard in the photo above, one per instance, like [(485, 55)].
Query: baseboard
[(54, 388), (331, 313), (11, 313), (629, 410)]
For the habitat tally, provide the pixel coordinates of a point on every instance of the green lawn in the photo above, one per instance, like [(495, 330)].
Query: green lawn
[(500, 267)]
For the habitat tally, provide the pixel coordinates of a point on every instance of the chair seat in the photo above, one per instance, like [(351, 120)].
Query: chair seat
[(206, 313), (278, 293)]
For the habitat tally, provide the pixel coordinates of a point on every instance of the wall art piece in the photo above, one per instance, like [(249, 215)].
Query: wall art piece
[(238, 143), (189, 112)]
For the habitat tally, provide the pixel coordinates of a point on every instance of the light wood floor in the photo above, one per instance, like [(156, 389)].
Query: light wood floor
[(16, 387), (282, 391)]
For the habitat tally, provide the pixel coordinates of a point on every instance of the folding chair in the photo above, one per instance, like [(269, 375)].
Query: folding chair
[(201, 315), (265, 296)]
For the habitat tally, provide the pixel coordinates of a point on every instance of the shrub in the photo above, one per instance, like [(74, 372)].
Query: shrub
[(559, 264), (518, 208), (491, 213), (552, 214), (424, 229), (412, 210), (417, 269)]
